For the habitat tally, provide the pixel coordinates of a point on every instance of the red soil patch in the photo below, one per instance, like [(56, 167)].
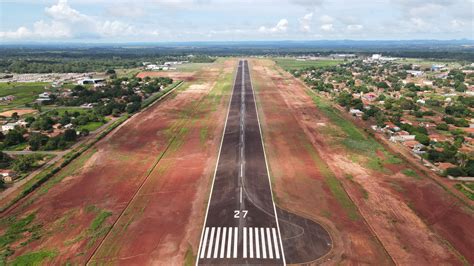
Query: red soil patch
[(108, 181), (402, 231), (164, 220), (298, 183)]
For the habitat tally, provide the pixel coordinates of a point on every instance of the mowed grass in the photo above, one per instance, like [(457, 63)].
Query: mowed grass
[(363, 149), (293, 64), (24, 92)]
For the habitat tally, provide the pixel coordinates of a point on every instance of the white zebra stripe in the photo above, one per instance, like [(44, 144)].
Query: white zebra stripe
[(216, 248), (203, 246), (211, 241), (277, 246), (269, 241), (264, 248), (223, 242), (229, 242)]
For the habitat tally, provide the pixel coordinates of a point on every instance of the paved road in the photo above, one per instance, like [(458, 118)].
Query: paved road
[(241, 225)]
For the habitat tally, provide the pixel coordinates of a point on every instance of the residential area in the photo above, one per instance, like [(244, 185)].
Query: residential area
[(42, 120), (425, 107)]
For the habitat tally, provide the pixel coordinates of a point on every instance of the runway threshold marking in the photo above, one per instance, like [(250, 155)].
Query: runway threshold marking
[(264, 245)]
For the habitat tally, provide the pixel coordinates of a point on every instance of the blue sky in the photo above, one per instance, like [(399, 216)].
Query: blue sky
[(231, 20)]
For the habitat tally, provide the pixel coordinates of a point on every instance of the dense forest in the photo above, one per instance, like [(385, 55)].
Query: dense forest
[(86, 58)]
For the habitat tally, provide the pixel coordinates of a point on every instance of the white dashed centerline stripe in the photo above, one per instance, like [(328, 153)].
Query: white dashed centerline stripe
[(257, 243), (203, 247), (245, 243), (211, 241), (229, 242), (275, 240), (236, 237), (216, 249), (264, 248), (269, 241), (224, 231)]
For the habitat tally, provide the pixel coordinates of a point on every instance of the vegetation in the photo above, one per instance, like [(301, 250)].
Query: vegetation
[(293, 64)]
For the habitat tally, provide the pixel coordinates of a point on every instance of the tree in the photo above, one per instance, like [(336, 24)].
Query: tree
[(70, 135), (455, 171), (5, 160), (23, 163), (37, 140), (442, 126), (422, 138), (13, 137), (15, 116)]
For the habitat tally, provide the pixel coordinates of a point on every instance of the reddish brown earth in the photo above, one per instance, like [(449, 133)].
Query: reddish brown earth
[(416, 221), (299, 182), (108, 176), (163, 223)]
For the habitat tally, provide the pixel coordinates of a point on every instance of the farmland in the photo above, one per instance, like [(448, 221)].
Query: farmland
[(293, 64)]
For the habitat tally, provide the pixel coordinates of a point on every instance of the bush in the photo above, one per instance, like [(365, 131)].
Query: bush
[(442, 126), (455, 171)]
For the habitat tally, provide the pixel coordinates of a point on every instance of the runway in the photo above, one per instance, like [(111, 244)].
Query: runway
[(241, 225)]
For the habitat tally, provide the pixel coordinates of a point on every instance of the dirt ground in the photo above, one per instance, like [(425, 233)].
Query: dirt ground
[(163, 223), (176, 75), (19, 111), (75, 209), (299, 181), (416, 221)]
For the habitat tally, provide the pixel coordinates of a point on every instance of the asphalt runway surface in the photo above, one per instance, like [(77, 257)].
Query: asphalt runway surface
[(241, 226)]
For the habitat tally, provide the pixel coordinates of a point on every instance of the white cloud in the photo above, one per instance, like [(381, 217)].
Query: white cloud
[(327, 27), (67, 22), (355, 27), (305, 22), (280, 27), (62, 11), (325, 19)]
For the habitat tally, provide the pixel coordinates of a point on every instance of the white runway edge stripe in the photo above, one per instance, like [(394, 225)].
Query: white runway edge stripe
[(258, 243)]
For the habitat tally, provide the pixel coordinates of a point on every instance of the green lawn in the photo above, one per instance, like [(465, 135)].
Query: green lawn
[(292, 63), (24, 92), (91, 126)]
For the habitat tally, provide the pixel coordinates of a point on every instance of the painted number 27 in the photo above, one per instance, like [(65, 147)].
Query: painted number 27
[(238, 214)]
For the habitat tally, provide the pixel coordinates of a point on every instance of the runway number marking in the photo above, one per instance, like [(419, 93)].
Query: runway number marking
[(238, 213)]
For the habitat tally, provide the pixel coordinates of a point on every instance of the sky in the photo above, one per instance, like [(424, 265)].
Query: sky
[(111, 21)]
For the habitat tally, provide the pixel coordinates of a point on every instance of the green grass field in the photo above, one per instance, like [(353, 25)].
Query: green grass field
[(24, 92), (293, 64), (190, 67), (91, 126)]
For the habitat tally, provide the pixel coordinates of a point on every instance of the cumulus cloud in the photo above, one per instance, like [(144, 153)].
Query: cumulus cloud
[(280, 27), (305, 22), (327, 27)]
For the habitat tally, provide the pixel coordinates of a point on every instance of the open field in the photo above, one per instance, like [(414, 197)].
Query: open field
[(149, 231), (398, 207), (20, 112), (74, 210), (24, 93), (292, 63), (302, 181)]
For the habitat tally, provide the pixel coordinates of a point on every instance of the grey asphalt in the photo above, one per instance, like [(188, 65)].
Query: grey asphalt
[(241, 227)]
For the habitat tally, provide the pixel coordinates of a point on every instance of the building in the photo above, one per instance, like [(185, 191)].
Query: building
[(90, 81), (43, 97), (8, 126), (8, 176), (415, 73)]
